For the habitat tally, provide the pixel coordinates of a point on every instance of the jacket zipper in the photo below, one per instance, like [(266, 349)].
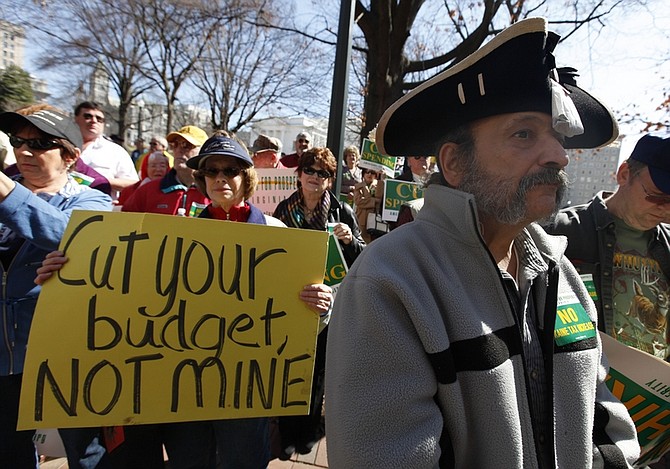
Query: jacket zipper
[(9, 345), (522, 352)]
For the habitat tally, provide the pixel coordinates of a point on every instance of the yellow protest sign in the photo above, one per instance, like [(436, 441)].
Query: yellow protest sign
[(163, 319)]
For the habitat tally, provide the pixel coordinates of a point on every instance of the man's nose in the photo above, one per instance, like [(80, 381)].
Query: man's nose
[(555, 155)]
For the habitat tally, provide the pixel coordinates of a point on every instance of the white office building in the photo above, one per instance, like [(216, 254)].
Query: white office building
[(12, 38), (287, 128), (591, 171)]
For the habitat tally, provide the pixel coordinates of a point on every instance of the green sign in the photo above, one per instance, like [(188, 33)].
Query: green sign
[(372, 159), (590, 286), (572, 324), (336, 266), (395, 194)]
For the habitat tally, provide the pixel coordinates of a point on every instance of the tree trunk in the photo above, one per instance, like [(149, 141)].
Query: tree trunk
[(386, 28)]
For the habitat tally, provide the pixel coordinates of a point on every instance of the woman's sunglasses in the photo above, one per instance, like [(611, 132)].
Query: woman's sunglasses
[(322, 173), (230, 172), (34, 143)]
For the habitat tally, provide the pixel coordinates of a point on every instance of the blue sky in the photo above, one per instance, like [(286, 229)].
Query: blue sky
[(627, 64)]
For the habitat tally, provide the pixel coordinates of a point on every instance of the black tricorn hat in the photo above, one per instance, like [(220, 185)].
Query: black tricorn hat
[(511, 73)]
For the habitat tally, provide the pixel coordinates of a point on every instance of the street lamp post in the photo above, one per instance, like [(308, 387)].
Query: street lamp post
[(339, 94), (140, 105)]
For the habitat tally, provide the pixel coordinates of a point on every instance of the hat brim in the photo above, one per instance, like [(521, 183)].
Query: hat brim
[(189, 138), (11, 120), (197, 161), (258, 150), (508, 74), (600, 125), (660, 178)]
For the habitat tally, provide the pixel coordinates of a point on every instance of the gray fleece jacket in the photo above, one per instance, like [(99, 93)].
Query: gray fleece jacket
[(424, 363)]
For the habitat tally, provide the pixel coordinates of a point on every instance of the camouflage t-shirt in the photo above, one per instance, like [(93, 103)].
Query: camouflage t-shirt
[(640, 293)]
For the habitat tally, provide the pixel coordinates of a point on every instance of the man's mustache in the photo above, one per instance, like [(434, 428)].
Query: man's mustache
[(545, 176)]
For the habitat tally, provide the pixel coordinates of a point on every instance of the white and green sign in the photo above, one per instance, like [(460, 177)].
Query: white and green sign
[(395, 194), (371, 158), (336, 266)]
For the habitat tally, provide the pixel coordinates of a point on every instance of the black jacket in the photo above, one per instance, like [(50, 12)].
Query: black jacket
[(591, 241)]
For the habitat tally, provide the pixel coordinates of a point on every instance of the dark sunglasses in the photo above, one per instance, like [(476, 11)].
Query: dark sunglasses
[(302, 140), (322, 173), (655, 199), (153, 144), (89, 117), (34, 143), (229, 172)]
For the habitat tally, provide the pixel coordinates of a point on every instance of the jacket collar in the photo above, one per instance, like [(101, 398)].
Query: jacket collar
[(602, 217), (170, 183), (334, 201), (256, 216)]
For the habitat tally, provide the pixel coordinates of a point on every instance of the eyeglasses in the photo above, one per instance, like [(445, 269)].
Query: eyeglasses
[(420, 157), (183, 144), (655, 198), (33, 143), (153, 144), (302, 140), (89, 117), (229, 172), (322, 173)]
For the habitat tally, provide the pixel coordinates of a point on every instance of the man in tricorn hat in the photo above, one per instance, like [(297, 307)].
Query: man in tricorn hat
[(444, 353)]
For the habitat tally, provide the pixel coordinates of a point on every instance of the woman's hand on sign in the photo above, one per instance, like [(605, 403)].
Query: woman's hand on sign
[(318, 297), (53, 262)]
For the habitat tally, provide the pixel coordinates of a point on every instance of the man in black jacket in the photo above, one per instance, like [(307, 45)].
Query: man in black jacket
[(620, 241)]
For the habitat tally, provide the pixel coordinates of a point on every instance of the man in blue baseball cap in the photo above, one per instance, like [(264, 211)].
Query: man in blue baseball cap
[(623, 240)]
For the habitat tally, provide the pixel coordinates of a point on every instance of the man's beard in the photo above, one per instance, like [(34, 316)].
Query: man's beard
[(503, 199)]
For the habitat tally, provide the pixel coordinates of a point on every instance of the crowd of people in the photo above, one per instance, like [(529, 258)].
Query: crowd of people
[(440, 350), (60, 163)]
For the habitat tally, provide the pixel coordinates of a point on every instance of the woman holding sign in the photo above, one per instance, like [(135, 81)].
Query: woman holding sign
[(226, 175), (224, 171), (313, 206), (35, 207)]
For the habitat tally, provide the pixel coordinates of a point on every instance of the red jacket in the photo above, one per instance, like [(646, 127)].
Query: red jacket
[(290, 161), (165, 196)]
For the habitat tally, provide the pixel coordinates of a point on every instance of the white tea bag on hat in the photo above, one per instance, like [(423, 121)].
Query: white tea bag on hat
[(564, 116)]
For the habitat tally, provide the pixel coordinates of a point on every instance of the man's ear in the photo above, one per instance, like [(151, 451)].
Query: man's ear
[(450, 165), (623, 175)]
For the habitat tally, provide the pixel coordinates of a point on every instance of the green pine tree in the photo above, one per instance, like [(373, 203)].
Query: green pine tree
[(16, 88)]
